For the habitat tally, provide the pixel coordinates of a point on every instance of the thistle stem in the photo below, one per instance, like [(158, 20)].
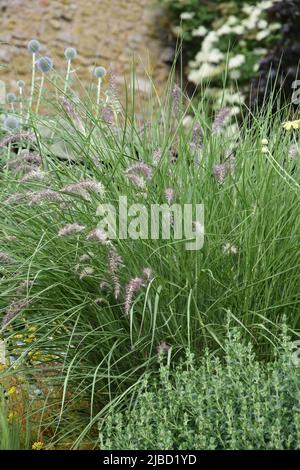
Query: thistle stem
[(32, 86), (40, 93), (98, 97), (67, 76)]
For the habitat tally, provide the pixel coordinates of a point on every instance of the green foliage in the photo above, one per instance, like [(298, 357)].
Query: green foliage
[(208, 403)]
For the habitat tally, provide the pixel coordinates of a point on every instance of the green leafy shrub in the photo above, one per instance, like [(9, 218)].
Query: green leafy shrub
[(208, 403)]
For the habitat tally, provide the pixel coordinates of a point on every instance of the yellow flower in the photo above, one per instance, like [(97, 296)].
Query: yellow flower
[(11, 391), (291, 124), (32, 328), (12, 415), (18, 336), (37, 445), (3, 367)]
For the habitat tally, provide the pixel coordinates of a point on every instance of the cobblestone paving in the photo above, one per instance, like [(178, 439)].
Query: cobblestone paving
[(105, 32)]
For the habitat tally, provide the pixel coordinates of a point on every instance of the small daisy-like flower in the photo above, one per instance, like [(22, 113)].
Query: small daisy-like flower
[(291, 124), (70, 229), (38, 445), (228, 249)]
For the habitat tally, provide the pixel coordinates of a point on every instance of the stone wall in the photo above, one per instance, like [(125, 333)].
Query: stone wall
[(105, 32)]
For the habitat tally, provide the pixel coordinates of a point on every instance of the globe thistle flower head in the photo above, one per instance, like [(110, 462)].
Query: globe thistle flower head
[(70, 53), (33, 46), (20, 83), (44, 64), (11, 123), (100, 72), (11, 98)]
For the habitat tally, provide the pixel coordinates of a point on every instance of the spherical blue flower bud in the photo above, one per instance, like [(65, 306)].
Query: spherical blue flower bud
[(11, 98), (33, 46), (100, 72), (11, 123), (70, 53), (44, 64)]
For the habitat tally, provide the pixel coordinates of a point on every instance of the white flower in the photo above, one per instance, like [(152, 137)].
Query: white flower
[(255, 67), (232, 20), (262, 34), (259, 51), (236, 61), (201, 31), (205, 71), (262, 24), (225, 29), (212, 56), (235, 110), (235, 74), (187, 15), (274, 26), (238, 29)]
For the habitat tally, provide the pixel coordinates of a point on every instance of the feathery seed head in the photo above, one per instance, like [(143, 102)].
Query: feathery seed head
[(70, 229), (220, 119), (169, 193), (98, 235)]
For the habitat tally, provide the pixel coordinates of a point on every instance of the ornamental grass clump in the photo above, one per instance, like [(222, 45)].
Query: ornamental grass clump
[(112, 286)]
